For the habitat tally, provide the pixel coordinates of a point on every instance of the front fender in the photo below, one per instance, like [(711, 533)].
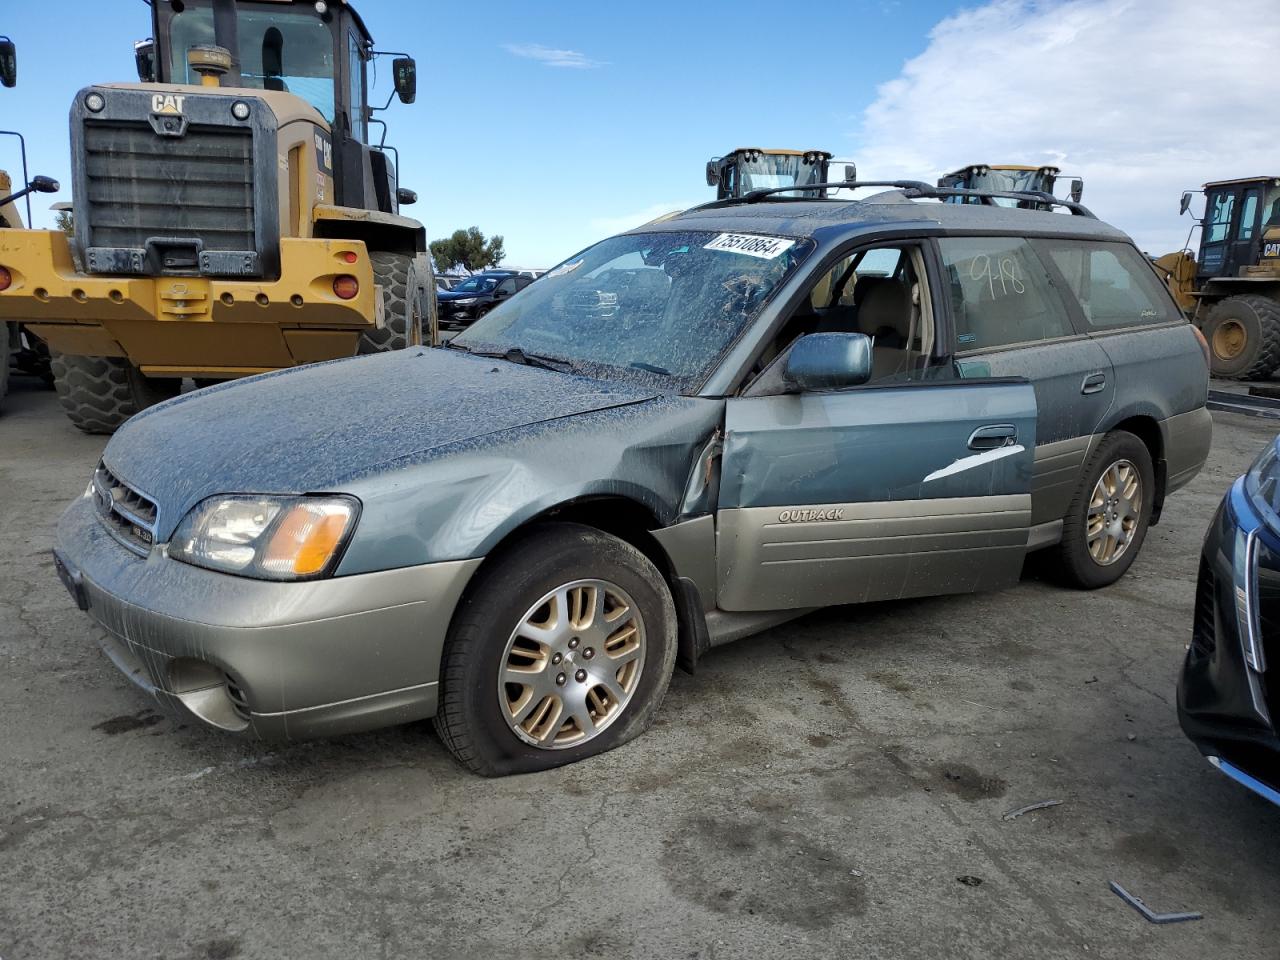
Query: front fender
[(459, 501)]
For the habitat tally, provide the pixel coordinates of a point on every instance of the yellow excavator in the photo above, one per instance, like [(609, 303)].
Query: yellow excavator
[(1230, 286), (233, 214)]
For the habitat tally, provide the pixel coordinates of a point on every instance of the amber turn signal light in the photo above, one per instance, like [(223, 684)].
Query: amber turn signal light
[(346, 286)]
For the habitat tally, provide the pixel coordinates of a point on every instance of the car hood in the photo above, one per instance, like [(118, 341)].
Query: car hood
[(309, 429)]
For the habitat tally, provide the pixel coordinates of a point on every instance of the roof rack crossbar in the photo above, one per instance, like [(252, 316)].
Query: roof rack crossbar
[(914, 189)]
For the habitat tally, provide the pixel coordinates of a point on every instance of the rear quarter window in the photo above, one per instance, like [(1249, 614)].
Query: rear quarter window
[(1112, 283)]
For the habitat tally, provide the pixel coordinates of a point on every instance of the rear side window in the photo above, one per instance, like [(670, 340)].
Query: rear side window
[(1112, 283), (1000, 294)]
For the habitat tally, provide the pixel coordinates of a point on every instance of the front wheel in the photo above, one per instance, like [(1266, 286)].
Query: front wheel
[(408, 315), (99, 394), (1108, 518), (563, 649), (1243, 334)]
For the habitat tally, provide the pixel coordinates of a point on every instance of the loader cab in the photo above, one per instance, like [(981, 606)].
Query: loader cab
[(750, 168), (317, 51), (1237, 213), (1008, 179)]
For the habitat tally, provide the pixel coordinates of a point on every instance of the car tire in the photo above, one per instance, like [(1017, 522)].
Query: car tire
[(405, 311), (99, 394), (1104, 527), (1243, 334), (479, 714)]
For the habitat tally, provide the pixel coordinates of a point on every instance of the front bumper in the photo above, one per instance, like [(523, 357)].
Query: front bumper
[(1226, 706), (179, 326), (262, 659)]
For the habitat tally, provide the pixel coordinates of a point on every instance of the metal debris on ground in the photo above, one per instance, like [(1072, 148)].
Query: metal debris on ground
[(969, 881), (1041, 805), (1147, 912)]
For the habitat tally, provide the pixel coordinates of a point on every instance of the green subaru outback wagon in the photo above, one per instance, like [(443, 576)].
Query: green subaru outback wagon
[(677, 437)]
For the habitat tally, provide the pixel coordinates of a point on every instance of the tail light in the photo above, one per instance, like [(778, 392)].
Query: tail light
[(346, 287), (6, 278)]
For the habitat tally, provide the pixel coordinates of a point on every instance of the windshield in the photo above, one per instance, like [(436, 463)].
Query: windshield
[(651, 306), (477, 285), (771, 171), (280, 49)]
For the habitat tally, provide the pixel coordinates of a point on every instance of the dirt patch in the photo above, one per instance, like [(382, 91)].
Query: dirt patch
[(128, 722), (967, 783)]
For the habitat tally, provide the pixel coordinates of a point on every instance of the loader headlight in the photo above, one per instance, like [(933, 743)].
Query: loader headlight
[(268, 538), (94, 102), (240, 110)]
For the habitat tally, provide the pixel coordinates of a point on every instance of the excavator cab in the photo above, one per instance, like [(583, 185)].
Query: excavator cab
[(750, 168)]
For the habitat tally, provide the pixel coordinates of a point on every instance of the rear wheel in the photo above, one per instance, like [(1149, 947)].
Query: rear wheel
[(100, 393), (1107, 521), (407, 316), (1244, 337), (563, 649)]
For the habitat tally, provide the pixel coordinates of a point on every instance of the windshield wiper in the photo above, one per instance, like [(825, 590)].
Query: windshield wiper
[(516, 355), (641, 365)]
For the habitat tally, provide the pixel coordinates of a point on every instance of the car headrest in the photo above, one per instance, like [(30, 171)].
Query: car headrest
[(884, 311)]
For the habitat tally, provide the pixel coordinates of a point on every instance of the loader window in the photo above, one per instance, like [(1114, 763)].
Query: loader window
[(355, 88), (1220, 210), (281, 49), (1248, 216)]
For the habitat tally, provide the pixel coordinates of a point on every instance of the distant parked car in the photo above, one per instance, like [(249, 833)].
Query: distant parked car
[(1228, 694), (474, 297)]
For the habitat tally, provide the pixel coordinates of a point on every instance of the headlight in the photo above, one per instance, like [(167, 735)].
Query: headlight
[(465, 302), (1262, 484), (270, 538)]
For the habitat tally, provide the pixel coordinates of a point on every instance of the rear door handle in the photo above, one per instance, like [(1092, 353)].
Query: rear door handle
[(993, 437), (1094, 383)]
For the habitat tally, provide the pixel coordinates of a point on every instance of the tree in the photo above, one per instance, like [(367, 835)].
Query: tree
[(466, 250), (65, 222)]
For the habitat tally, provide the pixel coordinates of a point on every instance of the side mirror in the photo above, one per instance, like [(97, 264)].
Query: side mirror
[(1077, 190), (44, 185), (850, 173), (144, 55), (828, 361), (405, 197), (1185, 205), (405, 72), (713, 173), (8, 62)]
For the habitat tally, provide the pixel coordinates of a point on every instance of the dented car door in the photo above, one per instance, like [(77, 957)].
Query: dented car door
[(874, 493)]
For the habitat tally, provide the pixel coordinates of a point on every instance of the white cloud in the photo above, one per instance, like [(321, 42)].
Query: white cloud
[(552, 57), (1142, 99), (607, 226)]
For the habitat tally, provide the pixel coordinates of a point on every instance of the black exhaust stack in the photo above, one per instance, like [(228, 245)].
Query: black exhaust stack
[(226, 35)]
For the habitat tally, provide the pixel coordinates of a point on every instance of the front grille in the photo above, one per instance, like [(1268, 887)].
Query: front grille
[(1204, 626), (143, 186), (128, 513)]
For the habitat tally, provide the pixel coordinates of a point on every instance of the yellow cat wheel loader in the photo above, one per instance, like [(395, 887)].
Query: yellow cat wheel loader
[(1230, 287), (1008, 178), (232, 213), (744, 169)]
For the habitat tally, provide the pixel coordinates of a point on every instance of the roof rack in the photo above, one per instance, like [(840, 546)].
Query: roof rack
[(914, 189)]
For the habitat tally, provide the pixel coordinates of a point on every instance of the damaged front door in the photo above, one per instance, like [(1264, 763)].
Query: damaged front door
[(874, 493)]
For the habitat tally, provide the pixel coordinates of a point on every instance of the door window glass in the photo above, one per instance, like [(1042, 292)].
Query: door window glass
[(1000, 294), (1112, 283), (1220, 209), (1248, 215), (506, 287), (355, 87)]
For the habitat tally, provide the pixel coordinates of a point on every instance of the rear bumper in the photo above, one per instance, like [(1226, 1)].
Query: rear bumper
[(1187, 437), (1226, 706), (267, 660), (191, 326)]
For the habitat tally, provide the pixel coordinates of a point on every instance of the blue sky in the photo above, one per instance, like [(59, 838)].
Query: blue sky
[(552, 157)]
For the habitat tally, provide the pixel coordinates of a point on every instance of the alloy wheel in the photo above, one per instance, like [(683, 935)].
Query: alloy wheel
[(572, 664), (1115, 510)]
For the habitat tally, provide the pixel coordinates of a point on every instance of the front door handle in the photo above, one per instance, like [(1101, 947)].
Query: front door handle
[(993, 437), (1094, 383)]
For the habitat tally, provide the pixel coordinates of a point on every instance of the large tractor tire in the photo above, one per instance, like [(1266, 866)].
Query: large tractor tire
[(1244, 337), (403, 283), (100, 393), (8, 333)]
